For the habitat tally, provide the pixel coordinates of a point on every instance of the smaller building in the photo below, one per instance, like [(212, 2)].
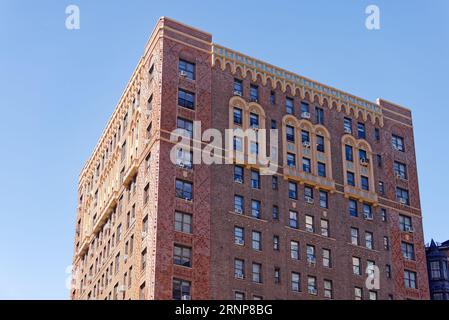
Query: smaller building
[(437, 265)]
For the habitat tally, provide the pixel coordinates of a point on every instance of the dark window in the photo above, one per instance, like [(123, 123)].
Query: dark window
[(275, 213), (291, 160), (410, 279), (289, 107), (186, 125), (272, 97), (238, 204), (186, 99), (400, 170), (255, 179), (381, 188), (397, 142), (379, 160), (350, 178), (347, 125), (349, 153), (364, 183), (293, 219), (238, 116), (293, 190), (305, 136), (308, 193), (273, 124), (408, 250), (402, 196), (361, 133), (183, 222), (323, 199), (254, 120), (304, 108), (274, 182), (255, 209), (184, 190), (187, 69), (377, 134), (320, 143), (321, 169), (319, 115), (238, 174), (306, 167), (181, 289), (353, 208), (238, 87), (254, 93), (290, 133), (182, 256), (405, 223)]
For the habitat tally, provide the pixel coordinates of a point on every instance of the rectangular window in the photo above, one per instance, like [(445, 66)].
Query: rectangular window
[(304, 108), (294, 250), (377, 134), (254, 93), (372, 295), (292, 190), (320, 143), (290, 133), (253, 120), (238, 144), (184, 158), (273, 97), (239, 295), (364, 183), (182, 256), (256, 240), (187, 69), (358, 293), (328, 289), (311, 258), (238, 116), (183, 222), (383, 213), (296, 282), (369, 240), (274, 182), (311, 285), (186, 126), (381, 188), (361, 134), (408, 250), (350, 178), (410, 279), (184, 190), (293, 219), (308, 194), (386, 243), (348, 153), (238, 174), (257, 273), (291, 160), (239, 236), (255, 179), (306, 167), (321, 169), (238, 87), (367, 211), (379, 160), (319, 112), (238, 204), (143, 257), (275, 213), (324, 228), (276, 246), (305, 137), (309, 224), (323, 199), (327, 258), (255, 209), (402, 196), (347, 125), (273, 124), (277, 275), (355, 236), (398, 143), (405, 223), (186, 99), (388, 271), (353, 208), (239, 269), (181, 289), (289, 108), (400, 170), (435, 270), (356, 266)]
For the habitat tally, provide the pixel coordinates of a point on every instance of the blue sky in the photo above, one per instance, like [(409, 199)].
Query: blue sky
[(59, 87)]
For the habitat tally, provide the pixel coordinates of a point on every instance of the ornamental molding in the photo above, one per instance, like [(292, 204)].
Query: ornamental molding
[(334, 98)]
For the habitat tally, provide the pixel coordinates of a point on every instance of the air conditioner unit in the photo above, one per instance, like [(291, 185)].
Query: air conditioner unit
[(252, 99), (254, 126), (305, 115), (182, 73), (238, 180), (239, 242), (239, 275), (309, 200), (186, 297), (237, 93), (144, 234), (238, 210), (348, 130), (122, 288), (306, 144), (402, 201), (367, 217), (146, 141), (364, 161), (311, 261), (312, 291), (187, 199), (409, 229)]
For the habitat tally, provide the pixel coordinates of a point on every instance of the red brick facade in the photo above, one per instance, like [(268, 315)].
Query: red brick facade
[(211, 275)]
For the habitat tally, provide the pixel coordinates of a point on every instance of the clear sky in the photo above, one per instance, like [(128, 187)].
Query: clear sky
[(59, 87)]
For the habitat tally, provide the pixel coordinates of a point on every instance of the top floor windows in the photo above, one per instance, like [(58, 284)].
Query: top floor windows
[(238, 87), (361, 132), (186, 69), (289, 108), (319, 112), (254, 93), (186, 99), (347, 125), (397, 142)]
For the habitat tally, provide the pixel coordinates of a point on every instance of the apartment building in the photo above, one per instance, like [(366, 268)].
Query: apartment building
[(437, 266), (342, 205)]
